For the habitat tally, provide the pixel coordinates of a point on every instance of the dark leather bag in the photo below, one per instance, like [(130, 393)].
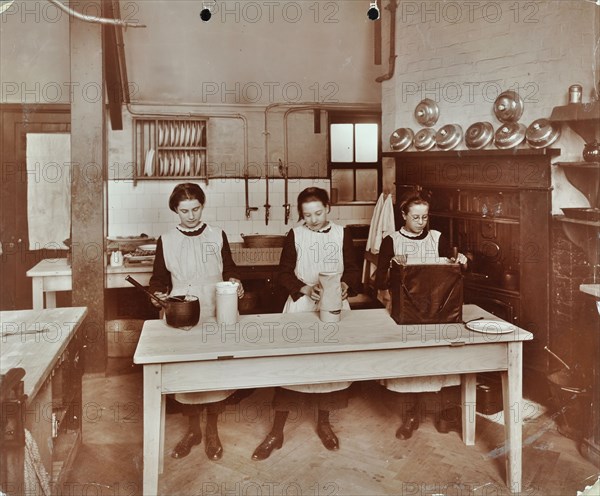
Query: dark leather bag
[(426, 294)]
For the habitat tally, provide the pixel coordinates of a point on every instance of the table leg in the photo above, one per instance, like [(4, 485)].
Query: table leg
[(512, 390), (152, 427), (163, 411), (468, 399), (37, 291), (50, 299)]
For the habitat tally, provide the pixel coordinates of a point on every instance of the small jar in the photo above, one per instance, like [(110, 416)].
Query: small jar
[(575, 92), (591, 152)]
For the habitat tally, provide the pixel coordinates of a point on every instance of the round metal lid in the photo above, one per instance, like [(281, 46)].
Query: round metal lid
[(541, 133), (508, 107), (449, 136), (401, 139), (479, 135), (427, 112), (425, 139), (509, 135)]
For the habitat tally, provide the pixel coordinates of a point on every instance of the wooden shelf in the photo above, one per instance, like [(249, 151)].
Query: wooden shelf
[(165, 178), (582, 165), (571, 220)]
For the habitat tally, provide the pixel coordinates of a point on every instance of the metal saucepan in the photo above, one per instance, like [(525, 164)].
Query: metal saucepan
[(182, 311), (263, 240)]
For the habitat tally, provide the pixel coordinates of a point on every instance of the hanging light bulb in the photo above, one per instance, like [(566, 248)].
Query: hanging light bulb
[(373, 12), (207, 10)]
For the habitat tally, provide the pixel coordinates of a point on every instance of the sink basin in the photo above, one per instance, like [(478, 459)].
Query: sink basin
[(263, 240)]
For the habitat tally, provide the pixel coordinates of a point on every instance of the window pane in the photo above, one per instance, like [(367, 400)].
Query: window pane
[(342, 185), (342, 142), (366, 184), (366, 142)]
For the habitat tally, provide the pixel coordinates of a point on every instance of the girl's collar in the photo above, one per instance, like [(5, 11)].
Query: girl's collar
[(409, 234), (200, 227), (324, 229)]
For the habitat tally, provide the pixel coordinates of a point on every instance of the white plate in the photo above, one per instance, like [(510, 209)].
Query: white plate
[(177, 165), (193, 134), (147, 247), (490, 326), (161, 134), (188, 132), (188, 164), (149, 162), (173, 135)]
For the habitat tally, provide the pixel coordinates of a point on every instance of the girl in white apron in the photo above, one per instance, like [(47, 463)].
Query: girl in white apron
[(414, 239), (191, 259), (315, 246)]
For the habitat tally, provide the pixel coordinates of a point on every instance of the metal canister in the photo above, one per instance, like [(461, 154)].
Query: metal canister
[(575, 92)]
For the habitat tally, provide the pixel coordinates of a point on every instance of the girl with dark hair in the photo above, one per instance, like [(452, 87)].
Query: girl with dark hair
[(191, 259), (414, 239), (315, 246)]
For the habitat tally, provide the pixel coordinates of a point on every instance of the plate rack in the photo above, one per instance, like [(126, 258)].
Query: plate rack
[(169, 148)]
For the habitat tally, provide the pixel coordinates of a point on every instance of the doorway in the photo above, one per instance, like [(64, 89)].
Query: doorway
[(16, 122)]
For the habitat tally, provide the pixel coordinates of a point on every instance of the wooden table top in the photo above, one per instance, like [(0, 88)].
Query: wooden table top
[(243, 257), (34, 341), (303, 333)]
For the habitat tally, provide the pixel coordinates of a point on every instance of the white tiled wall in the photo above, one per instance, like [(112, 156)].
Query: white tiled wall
[(144, 208)]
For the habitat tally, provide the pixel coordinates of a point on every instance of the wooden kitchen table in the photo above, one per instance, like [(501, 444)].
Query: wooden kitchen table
[(52, 275), (44, 343), (297, 348)]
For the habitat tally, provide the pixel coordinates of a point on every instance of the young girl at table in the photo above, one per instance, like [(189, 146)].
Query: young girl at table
[(191, 259), (414, 239), (317, 245)]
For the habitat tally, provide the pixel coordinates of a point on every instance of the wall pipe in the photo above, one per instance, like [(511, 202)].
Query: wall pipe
[(296, 107), (94, 19), (392, 6)]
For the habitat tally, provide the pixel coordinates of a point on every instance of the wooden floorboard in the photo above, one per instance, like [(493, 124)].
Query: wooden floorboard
[(371, 460)]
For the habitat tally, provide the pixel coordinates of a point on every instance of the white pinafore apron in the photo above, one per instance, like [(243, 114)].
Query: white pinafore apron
[(316, 252), (427, 247), (196, 265)]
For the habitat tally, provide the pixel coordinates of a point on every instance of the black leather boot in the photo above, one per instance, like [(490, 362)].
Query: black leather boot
[(184, 446), (270, 443), (410, 416)]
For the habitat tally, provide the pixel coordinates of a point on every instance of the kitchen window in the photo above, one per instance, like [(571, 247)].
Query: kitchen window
[(354, 157)]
